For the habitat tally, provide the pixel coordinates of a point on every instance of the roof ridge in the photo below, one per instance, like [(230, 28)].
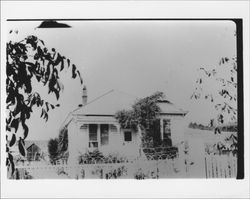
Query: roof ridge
[(131, 95), (91, 101), (110, 91)]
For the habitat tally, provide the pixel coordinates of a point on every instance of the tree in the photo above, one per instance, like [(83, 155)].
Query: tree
[(219, 86), (27, 61), (144, 114), (223, 99), (63, 140), (53, 150)]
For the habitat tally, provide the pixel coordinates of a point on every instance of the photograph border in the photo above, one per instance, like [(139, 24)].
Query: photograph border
[(206, 188)]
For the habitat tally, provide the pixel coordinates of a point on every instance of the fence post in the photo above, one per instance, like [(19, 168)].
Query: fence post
[(206, 166)]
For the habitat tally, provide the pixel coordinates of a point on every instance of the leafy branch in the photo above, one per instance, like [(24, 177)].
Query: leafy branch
[(29, 60), (144, 114), (223, 98)]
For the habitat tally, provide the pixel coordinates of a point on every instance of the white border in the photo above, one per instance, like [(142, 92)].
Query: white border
[(127, 188)]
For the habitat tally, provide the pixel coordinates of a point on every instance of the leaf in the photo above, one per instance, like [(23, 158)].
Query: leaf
[(68, 61), (41, 41), (52, 84), (8, 120), (52, 106), (14, 124), (10, 98), (42, 113), (73, 71), (46, 116), (42, 101), (57, 94), (12, 165), (47, 73), (58, 59), (62, 65), (26, 131), (78, 72), (10, 157), (13, 140), (21, 147), (47, 106), (7, 161)]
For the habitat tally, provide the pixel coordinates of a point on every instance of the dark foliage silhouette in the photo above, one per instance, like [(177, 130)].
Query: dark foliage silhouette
[(27, 61)]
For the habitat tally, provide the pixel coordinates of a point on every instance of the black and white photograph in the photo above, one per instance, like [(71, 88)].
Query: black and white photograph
[(123, 98)]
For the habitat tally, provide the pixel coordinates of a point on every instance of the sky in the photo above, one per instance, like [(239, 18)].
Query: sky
[(136, 57)]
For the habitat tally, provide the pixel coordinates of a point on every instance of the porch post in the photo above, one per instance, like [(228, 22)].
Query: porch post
[(139, 140), (162, 128), (99, 135)]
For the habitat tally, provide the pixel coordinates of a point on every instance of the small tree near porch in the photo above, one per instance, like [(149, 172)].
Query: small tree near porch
[(144, 115)]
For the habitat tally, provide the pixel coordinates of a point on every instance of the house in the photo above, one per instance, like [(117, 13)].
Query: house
[(36, 152), (93, 126), (33, 152)]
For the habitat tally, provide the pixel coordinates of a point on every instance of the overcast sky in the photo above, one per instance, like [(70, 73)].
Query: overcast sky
[(137, 57)]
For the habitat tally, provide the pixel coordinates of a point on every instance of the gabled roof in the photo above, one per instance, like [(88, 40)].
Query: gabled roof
[(115, 100), (107, 104)]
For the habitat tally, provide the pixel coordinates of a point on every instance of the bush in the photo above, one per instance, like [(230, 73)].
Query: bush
[(97, 157), (53, 150)]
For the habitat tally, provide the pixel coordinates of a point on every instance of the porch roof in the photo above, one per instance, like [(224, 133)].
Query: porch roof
[(167, 108)]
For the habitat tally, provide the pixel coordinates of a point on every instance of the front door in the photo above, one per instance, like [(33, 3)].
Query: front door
[(93, 142)]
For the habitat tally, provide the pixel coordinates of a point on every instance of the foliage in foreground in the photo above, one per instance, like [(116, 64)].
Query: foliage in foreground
[(29, 61), (223, 98)]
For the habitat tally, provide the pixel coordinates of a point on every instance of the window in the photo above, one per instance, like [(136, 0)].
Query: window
[(84, 127), (93, 136), (167, 132), (113, 128), (166, 129), (104, 134), (127, 136)]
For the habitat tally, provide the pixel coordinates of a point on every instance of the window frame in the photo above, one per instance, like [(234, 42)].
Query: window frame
[(124, 137), (167, 126)]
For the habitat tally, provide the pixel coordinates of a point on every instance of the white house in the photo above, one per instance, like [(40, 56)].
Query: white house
[(93, 126)]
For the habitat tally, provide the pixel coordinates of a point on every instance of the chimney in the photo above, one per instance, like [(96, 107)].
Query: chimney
[(84, 96)]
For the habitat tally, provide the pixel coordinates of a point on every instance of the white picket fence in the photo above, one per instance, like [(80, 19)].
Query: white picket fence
[(152, 169), (209, 165), (221, 166)]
